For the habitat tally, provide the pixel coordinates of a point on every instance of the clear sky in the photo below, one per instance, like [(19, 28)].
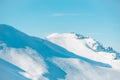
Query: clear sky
[(97, 18)]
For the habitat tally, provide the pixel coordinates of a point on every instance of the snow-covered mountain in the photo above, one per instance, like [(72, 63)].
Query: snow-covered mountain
[(67, 56), (86, 47)]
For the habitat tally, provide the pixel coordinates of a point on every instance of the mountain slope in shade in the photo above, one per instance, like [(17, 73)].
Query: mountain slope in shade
[(40, 59), (9, 71)]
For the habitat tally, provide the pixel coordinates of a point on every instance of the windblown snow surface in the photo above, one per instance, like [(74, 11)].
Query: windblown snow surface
[(67, 56)]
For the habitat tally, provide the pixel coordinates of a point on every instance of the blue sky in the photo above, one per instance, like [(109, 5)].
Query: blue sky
[(97, 18)]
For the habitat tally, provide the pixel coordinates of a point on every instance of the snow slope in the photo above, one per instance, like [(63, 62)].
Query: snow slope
[(9, 71), (29, 57), (86, 47), (26, 59), (80, 70)]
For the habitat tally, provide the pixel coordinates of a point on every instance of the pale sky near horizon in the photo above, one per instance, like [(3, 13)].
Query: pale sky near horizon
[(97, 18)]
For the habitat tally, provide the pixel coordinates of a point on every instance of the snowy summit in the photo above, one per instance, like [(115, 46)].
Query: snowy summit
[(65, 56)]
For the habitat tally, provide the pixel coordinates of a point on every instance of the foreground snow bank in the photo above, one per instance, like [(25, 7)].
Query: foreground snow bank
[(80, 70), (27, 59)]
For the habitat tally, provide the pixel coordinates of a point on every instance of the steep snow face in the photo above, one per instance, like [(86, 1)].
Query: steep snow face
[(96, 46), (86, 47)]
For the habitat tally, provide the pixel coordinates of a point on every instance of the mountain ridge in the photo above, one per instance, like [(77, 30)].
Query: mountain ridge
[(42, 59), (91, 42)]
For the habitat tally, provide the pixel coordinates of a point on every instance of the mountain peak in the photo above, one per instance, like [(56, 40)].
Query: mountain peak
[(11, 36), (8, 30), (77, 39), (5, 27), (67, 35)]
